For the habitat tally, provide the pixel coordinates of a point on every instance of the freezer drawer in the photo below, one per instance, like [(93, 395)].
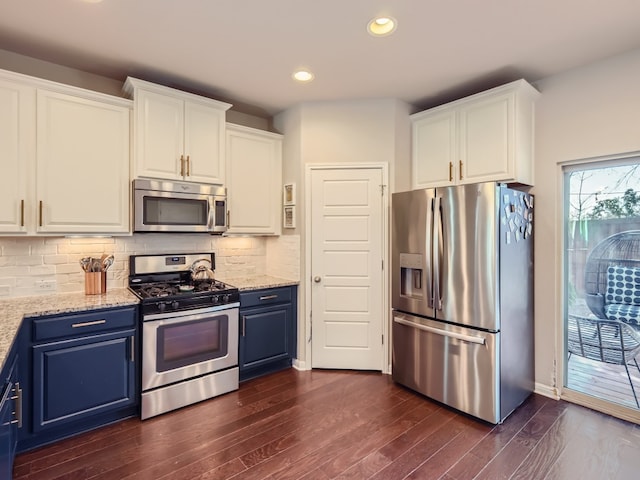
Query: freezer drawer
[(454, 365)]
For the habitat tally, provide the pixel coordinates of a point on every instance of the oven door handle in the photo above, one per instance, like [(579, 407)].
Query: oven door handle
[(180, 315)]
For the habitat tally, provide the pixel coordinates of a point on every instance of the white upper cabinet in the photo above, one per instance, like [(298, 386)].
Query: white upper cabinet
[(64, 153), (254, 181), (17, 153), (177, 135), (82, 165), (484, 137)]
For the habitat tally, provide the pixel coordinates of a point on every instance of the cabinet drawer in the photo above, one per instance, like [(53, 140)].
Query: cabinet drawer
[(265, 297), (48, 328)]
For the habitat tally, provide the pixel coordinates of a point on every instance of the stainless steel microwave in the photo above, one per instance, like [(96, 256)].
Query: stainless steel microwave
[(166, 206)]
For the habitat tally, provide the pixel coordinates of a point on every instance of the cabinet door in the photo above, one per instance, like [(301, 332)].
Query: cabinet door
[(265, 336), (434, 153), (487, 139), (8, 425), (254, 181), (159, 135), (82, 165), (17, 155), (77, 379), (204, 143)]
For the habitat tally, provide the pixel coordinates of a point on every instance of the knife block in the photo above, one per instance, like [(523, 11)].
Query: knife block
[(95, 283)]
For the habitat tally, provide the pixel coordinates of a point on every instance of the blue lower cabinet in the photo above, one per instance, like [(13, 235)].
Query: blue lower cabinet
[(267, 331), (83, 377), (79, 373), (9, 416)]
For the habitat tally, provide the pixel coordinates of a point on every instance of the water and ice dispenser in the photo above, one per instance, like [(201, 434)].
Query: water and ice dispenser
[(411, 276)]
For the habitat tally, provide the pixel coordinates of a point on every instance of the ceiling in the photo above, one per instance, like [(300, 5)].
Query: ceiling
[(244, 51)]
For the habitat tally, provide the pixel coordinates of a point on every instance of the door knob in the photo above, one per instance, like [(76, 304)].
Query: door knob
[(316, 279)]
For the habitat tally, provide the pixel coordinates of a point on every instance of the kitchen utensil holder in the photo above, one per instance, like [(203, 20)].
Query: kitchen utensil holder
[(95, 283)]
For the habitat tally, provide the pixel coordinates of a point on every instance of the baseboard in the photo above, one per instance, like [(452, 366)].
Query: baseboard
[(299, 364), (547, 391)]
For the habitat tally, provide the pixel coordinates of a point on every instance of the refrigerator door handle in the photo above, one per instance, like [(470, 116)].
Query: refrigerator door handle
[(437, 331), (428, 248), (437, 253)]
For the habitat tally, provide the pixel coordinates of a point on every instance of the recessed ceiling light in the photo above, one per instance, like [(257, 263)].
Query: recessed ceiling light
[(92, 1), (303, 76), (381, 26)]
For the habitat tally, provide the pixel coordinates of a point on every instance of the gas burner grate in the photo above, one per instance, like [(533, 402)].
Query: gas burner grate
[(157, 290)]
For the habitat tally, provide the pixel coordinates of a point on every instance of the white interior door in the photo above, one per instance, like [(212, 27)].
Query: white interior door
[(346, 268)]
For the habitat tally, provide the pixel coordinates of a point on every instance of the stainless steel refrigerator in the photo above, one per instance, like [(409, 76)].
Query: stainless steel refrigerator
[(462, 296)]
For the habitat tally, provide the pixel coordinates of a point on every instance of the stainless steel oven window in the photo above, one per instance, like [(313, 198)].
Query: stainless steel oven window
[(188, 343), (175, 211)]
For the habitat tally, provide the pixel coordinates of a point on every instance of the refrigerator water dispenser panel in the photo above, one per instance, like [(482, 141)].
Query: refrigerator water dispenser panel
[(411, 273)]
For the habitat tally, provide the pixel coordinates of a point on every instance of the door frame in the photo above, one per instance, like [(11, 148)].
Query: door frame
[(559, 390), (385, 366)]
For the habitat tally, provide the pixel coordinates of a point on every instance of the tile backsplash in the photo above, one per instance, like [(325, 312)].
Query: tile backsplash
[(43, 265)]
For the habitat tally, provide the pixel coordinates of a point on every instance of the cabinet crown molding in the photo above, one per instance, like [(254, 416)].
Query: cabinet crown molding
[(132, 84), (521, 86), (40, 83)]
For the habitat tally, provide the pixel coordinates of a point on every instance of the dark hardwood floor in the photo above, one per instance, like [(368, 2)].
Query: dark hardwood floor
[(336, 424)]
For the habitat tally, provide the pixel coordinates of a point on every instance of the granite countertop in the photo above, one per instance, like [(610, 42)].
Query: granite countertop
[(13, 310), (256, 282)]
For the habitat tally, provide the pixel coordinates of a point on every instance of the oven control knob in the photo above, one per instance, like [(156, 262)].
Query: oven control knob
[(215, 299), (162, 306), (175, 305), (225, 298)]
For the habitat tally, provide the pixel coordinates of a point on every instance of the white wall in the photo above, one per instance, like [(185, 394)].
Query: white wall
[(588, 112)]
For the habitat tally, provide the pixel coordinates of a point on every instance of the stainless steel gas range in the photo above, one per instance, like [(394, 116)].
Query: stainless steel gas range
[(189, 331)]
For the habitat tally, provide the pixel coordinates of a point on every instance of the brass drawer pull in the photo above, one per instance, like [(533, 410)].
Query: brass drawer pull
[(40, 212), (460, 173), (188, 166), (451, 171), (22, 213), (268, 297), (88, 324)]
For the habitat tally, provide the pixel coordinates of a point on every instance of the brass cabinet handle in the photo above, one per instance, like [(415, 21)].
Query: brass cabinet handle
[(188, 166), (22, 213), (228, 217), (88, 324), (40, 212), (268, 297), (182, 165), (451, 171), (460, 173)]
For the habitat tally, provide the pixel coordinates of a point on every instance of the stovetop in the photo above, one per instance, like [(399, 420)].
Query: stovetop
[(164, 284), (159, 290)]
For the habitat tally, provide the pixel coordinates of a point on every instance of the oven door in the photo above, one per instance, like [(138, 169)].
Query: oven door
[(156, 211), (182, 345)]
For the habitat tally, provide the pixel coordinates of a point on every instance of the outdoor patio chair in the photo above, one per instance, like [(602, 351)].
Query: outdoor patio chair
[(612, 278), (608, 341)]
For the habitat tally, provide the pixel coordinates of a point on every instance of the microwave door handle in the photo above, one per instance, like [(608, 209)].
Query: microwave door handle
[(212, 212)]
